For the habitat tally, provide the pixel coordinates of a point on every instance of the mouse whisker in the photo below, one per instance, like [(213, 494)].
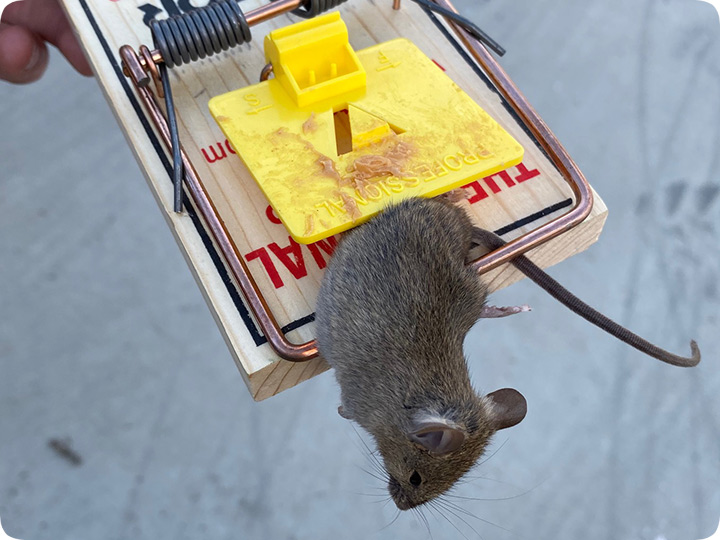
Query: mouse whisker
[(372, 456), (470, 479), (375, 460), (380, 473), (418, 511), (379, 468), (457, 515), (491, 455), (435, 510), (465, 498), (452, 507), (379, 498), (397, 515), (432, 511), (442, 514), (373, 474), (384, 495), (488, 498), (383, 474), (522, 490)]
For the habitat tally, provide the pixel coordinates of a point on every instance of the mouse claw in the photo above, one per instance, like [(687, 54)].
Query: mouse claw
[(494, 312)]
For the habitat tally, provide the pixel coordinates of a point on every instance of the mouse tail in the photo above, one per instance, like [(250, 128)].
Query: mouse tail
[(490, 240)]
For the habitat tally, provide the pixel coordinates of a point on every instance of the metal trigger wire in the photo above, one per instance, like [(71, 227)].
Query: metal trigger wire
[(186, 38), (467, 25), (174, 138)]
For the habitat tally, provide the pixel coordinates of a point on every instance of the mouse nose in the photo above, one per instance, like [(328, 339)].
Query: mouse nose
[(398, 497), (393, 486)]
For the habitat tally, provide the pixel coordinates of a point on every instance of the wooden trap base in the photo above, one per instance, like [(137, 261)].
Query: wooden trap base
[(511, 202)]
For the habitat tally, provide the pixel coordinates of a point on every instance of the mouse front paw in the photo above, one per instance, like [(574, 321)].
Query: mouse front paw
[(344, 413), (494, 312)]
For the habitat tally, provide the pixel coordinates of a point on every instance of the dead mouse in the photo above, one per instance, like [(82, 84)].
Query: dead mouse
[(393, 310)]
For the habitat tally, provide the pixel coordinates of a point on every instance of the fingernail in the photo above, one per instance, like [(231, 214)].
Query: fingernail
[(34, 59)]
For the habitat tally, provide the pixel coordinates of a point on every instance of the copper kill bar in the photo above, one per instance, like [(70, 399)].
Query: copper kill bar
[(558, 155), (136, 67)]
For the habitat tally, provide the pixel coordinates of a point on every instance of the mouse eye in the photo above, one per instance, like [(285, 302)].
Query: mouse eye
[(415, 479)]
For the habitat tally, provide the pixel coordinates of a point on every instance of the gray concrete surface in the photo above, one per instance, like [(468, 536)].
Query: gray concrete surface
[(105, 339)]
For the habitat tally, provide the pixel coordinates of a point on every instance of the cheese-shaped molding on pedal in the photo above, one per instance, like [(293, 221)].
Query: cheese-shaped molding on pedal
[(337, 134)]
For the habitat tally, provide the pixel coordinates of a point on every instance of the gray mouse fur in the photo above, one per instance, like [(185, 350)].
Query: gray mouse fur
[(393, 310)]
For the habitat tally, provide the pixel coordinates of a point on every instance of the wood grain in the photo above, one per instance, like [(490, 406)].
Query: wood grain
[(501, 202)]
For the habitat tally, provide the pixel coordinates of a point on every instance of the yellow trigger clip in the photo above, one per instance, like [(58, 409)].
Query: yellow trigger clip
[(336, 135)]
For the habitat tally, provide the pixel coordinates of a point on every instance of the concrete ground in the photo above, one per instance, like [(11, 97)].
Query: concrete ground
[(106, 341)]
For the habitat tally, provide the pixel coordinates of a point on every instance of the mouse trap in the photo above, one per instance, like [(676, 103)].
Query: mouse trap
[(273, 127)]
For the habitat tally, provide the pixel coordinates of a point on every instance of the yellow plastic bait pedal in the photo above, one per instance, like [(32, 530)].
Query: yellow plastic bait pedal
[(337, 134)]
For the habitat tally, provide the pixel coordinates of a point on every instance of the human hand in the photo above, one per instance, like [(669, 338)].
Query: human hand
[(25, 27)]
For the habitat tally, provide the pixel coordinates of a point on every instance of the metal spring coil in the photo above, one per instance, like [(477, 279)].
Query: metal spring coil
[(202, 32), (311, 8), (213, 28)]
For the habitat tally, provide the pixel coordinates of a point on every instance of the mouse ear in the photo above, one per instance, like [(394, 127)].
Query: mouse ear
[(509, 407), (437, 436)]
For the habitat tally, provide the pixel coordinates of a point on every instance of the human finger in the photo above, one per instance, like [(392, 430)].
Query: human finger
[(23, 55), (46, 19)]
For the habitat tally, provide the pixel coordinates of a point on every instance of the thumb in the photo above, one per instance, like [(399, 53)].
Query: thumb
[(23, 55)]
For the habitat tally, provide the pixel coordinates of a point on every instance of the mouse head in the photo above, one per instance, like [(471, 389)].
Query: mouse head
[(436, 450)]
